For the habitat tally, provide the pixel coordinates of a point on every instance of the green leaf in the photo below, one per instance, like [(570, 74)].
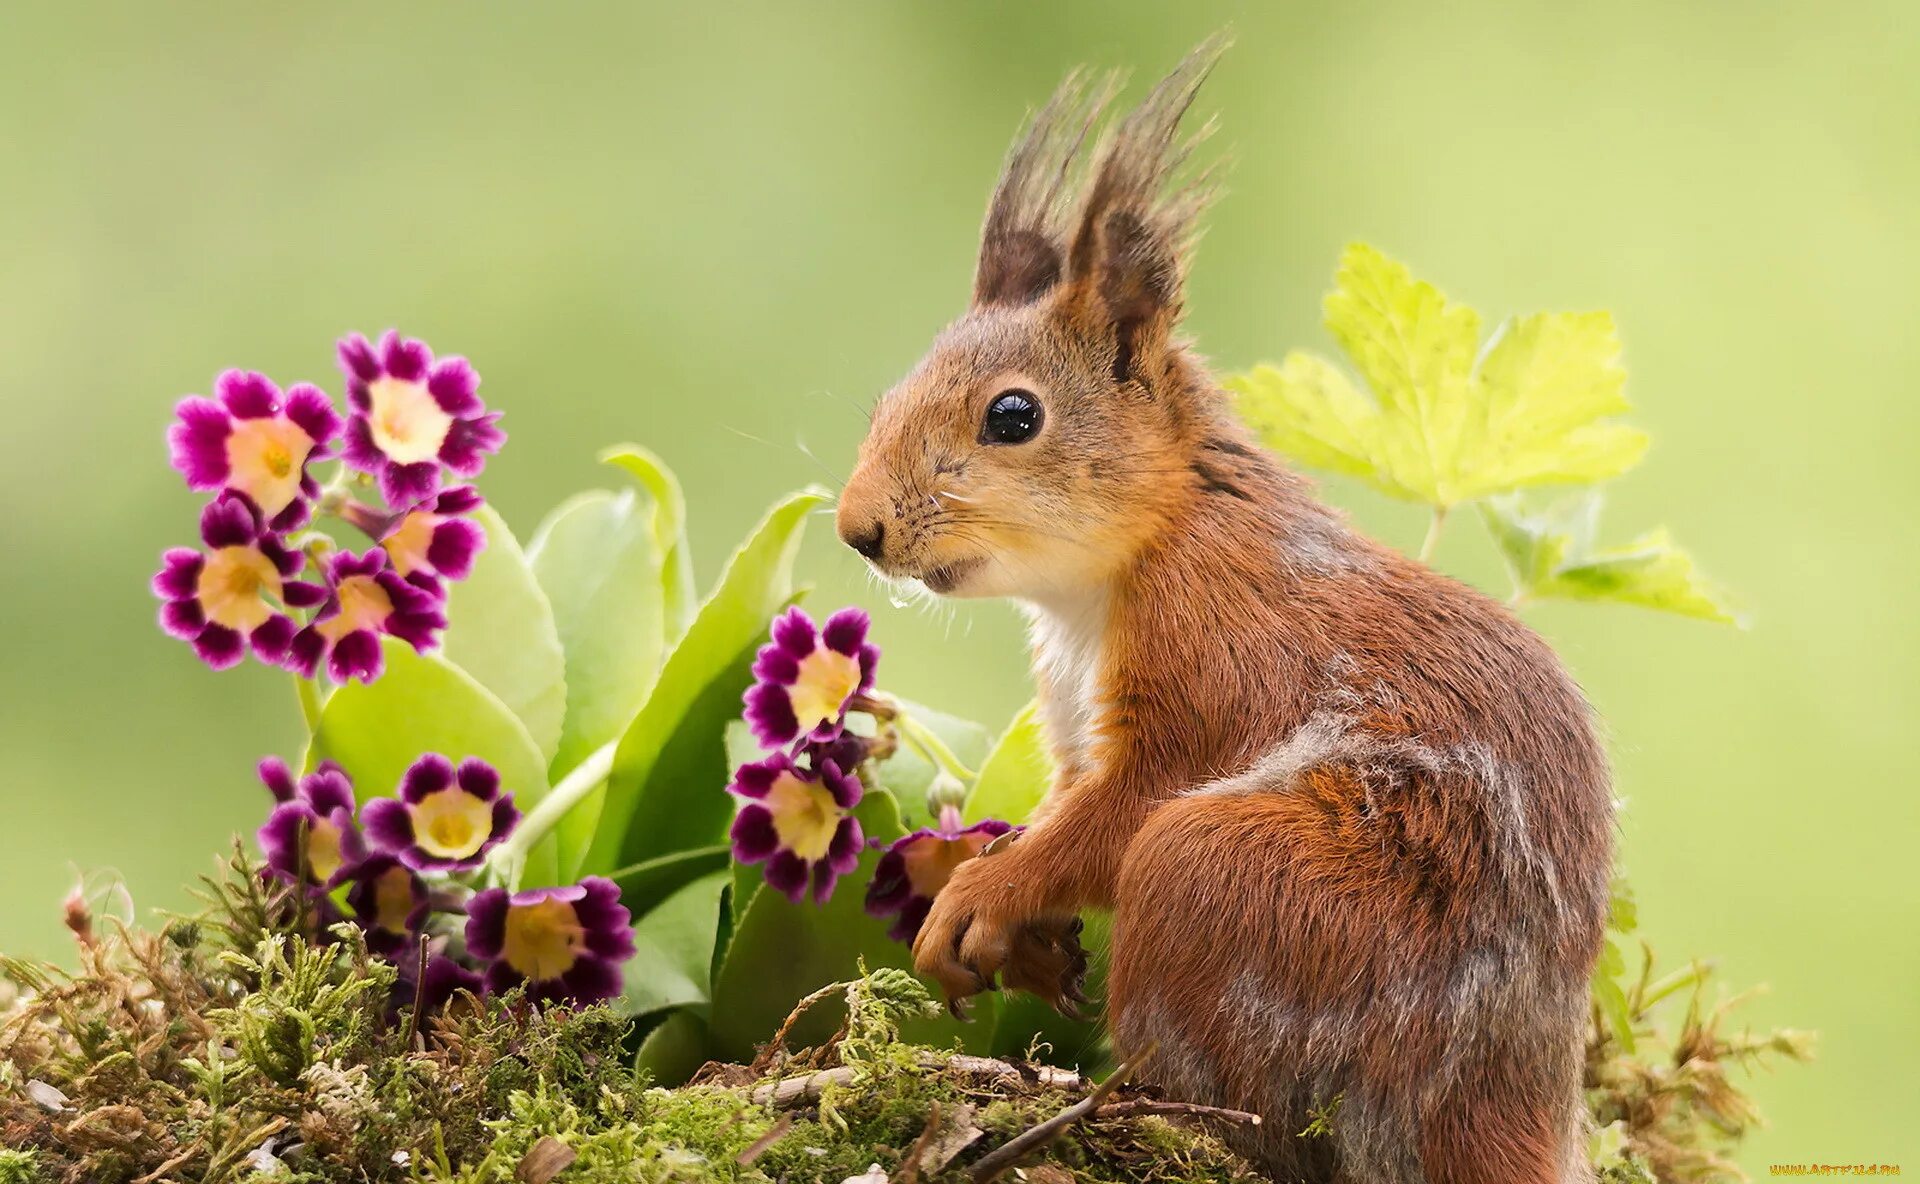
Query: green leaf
[(675, 1050), (1551, 554), (426, 704), (1433, 425), (673, 948), (598, 562), (783, 951), (595, 556), (667, 789), (500, 630), (908, 775), (1016, 773), (618, 570), (644, 885), (669, 525), (1612, 1001)]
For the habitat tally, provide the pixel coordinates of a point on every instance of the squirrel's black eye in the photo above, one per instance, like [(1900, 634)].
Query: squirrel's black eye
[(1012, 418)]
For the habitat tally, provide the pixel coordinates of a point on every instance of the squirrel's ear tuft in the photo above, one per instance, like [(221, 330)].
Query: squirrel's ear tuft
[(1134, 228), (1023, 246)]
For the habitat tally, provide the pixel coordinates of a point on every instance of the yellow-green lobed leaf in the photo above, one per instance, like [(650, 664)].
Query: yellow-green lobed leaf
[(1434, 424), (1551, 554)]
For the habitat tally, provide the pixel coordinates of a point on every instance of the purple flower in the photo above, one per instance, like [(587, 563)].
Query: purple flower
[(365, 598), (805, 679), (310, 837), (251, 441), (916, 866), (235, 593), (389, 903), (437, 541), (445, 819), (413, 415), (565, 944), (798, 822)]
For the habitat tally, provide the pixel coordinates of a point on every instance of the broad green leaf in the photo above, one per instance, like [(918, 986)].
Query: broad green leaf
[(645, 885), (596, 559), (908, 775), (667, 789), (426, 704), (669, 524), (673, 948), (783, 951), (1433, 425), (500, 630), (1016, 773), (675, 1050), (618, 570), (1551, 554)]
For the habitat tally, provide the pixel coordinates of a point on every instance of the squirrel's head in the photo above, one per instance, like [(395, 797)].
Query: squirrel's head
[(1033, 449)]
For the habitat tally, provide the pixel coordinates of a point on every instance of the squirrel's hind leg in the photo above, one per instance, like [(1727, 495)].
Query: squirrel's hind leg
[(1278, 956)]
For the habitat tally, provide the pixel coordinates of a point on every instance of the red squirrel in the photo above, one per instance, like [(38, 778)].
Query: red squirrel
[(1352, 817)]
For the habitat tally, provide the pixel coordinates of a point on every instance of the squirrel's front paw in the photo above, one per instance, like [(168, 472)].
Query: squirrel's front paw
[(1049, 961), (968, 934)]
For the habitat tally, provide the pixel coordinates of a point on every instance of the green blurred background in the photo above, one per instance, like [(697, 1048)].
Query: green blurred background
[(721, 233)]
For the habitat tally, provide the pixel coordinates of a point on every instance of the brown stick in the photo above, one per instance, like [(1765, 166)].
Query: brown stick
[(759, 1146), (796, 1090), (995, 1163), (1134, 1106)]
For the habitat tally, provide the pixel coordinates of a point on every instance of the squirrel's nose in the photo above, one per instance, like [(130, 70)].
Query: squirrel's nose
[(867, 539)]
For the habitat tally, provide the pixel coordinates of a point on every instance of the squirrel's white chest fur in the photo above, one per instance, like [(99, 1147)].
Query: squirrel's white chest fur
[(1067, 642)]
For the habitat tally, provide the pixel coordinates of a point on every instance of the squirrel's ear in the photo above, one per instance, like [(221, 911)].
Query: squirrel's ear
[(1128, 256), (1023, 245)]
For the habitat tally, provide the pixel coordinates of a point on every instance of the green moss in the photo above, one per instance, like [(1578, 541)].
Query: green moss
[(244, 1046), (19, 1167)]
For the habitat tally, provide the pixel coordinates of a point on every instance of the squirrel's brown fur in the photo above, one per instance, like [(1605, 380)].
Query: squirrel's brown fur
[(1352, 816)]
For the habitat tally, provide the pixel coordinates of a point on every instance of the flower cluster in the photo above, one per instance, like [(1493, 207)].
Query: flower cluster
[(410, 421), (393, 865), (796, 805)]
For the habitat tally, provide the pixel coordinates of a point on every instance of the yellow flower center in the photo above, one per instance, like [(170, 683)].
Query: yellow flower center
[(364, 604), (264, 460), (451, 823), (406, 421), (393, 900), (930, 862), (804, 816), (233, 584), (543, 940), (827, 678), (323, 849), (407, 545)]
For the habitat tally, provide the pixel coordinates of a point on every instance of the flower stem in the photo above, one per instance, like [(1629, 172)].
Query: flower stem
[(309, 703), (1431, 543), (507, 858), (923, 740)]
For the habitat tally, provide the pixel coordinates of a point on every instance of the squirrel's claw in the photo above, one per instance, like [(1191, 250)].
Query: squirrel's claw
[(1047, 960)]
